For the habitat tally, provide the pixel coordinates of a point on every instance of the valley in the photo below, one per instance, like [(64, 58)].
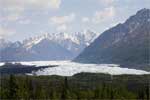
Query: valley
[(65, 68)]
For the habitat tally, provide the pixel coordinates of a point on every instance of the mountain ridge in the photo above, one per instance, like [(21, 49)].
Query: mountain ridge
[(126, 43), (67, 46)]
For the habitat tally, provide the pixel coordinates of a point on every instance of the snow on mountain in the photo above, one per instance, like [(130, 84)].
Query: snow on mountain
[(4, 43), (75, 43), (48, 46)]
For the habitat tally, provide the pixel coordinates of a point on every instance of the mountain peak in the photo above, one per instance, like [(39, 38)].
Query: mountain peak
[(49, 46), (143, 11), (126, 43), (141, 16), (46, 35)]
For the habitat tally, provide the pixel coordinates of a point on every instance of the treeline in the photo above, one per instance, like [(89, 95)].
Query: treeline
[(81, 86)]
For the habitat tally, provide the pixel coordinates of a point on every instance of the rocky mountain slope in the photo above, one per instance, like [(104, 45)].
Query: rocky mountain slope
[(127, 43)]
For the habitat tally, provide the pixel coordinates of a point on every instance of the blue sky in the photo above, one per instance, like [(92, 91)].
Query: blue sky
[(20, 19)]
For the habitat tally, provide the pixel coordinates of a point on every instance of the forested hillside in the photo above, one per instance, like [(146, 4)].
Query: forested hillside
[(80, 86)]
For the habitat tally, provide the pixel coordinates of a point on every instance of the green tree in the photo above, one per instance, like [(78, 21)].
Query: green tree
[(148, 91), (40, 92), (104, 91), (111, 94), (12, 87), (64, 89), (97, 92)]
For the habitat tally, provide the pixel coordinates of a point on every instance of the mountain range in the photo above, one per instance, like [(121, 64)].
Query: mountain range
[(54, 46), (126, 44)]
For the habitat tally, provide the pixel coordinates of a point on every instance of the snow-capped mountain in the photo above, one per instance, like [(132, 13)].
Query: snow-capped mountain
[(74, 43), (4, 43), (49, 46)]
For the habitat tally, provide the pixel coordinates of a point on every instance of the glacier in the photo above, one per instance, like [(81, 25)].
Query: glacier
[(68, 68)]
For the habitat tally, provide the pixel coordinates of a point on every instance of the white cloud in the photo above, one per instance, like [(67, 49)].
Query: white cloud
[(55, 3), (25, 21), (62, 28), (62, 19), (12, 17), (21, 5), (104, 15), (61, 22), (12, 10), (85, 19), (106, 2), (4, 32), (16, 16)]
